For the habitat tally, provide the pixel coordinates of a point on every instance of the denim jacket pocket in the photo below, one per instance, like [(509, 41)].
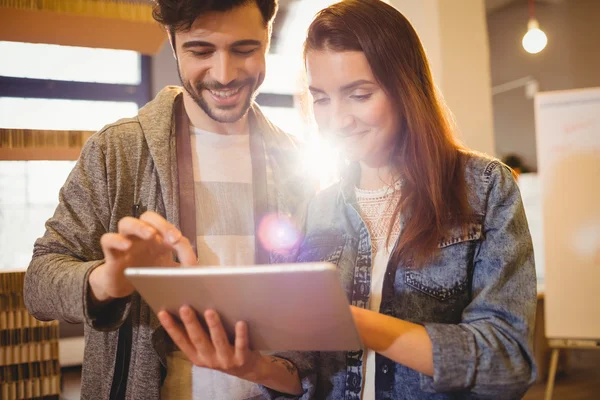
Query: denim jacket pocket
[(322, 248), (446, 276)]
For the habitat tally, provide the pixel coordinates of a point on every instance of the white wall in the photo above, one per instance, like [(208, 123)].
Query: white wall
[(164, 69), (571, 60), (454, 34)]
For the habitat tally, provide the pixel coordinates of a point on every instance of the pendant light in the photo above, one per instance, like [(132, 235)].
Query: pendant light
[(535, 39)]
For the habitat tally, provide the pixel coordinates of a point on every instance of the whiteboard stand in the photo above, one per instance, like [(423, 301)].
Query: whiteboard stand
[(556, 345)]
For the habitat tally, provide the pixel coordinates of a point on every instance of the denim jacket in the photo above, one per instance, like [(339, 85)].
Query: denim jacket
[(476, 299)]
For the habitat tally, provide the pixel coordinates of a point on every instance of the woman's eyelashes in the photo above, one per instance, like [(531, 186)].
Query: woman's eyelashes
[(320, 100), (357, 97), (361, 97)]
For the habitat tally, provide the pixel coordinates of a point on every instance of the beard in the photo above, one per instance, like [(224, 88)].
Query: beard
[(221, 113)]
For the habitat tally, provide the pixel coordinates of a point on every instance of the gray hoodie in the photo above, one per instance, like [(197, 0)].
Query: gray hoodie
[(133, 161)]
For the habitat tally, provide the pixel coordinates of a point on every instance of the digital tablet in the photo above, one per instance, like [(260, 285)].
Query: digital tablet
[(300, 307)]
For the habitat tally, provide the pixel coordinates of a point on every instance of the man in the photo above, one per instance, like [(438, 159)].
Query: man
[(516, 164), (202, 161)]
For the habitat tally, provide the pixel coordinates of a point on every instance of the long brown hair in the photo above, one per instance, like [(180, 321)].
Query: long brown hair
[(427, 156)]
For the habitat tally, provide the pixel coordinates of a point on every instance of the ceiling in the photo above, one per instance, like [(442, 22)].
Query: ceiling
[(284, 17), (494, 5)]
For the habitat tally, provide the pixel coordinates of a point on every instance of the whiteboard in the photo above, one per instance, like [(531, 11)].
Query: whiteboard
[(529, 185), (568, 144)]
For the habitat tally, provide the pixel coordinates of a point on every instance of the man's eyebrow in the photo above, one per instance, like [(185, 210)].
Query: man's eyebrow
[(246, 42), (197, 43), (202, 43)]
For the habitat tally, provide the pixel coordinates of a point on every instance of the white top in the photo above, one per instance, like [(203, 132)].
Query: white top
[(224, 198), (377, 208), (224, 236)]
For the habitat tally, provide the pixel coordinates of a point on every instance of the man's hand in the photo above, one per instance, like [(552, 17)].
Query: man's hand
[(145, 242), (212, 349)]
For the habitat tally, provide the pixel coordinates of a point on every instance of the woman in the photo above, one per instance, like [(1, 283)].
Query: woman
[(430, 239)]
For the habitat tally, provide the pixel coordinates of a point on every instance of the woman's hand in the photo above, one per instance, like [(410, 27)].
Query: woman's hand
[(401, 341)]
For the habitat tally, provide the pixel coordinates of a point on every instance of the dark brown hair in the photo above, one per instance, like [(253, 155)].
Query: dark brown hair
[(181, 14), (427, 156)]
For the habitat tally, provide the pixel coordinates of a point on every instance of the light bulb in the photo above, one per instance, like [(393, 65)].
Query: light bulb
[(535, 39)]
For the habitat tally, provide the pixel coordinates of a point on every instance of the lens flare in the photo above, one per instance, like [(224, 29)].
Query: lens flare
[(321, 160), (278, 233)]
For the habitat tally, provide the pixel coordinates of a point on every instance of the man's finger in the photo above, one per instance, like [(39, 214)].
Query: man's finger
[(196, 334), (218, 336), (113, 244), (184, 251), (130, 226), (178, 334), (114, 241), (242, 342), (158, 222), (172, 236)]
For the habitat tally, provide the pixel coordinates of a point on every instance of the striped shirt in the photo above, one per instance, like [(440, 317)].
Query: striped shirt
[(225, 236), (224, 199)]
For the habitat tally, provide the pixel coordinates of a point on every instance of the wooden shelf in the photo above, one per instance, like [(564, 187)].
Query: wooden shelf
[(29, 154), (108, 24)]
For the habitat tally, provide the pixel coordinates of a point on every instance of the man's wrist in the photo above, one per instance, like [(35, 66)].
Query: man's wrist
[(260, 371), (97, 294)]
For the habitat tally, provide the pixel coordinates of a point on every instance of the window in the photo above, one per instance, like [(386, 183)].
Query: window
[(60, 114), (28, 197), (73, 73), (57, 88), (67, 63)]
